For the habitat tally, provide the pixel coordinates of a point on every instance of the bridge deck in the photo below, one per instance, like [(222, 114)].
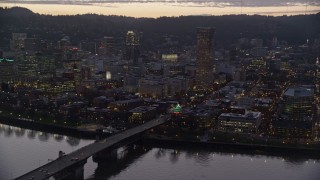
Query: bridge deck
[(83, 153)]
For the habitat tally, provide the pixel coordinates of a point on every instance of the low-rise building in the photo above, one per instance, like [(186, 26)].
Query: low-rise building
[(125, 105), (99, 115), (286, 128), (153, 87), (204, 119), (239, 123), (71, 111), (141, 114)]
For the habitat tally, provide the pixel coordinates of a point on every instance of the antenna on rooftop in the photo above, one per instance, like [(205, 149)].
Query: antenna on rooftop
[(305, 13), (241, 7), (306, 29)]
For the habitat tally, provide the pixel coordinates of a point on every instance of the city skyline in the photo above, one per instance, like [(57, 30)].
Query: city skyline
[(233, 86)]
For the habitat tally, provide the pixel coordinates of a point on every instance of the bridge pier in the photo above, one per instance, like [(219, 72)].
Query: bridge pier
[(126, 156), (112, 153), (75, 172), (71, 165), (118, 154), (106, 155)]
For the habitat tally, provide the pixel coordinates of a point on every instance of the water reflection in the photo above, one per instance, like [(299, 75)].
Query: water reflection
[(19, 132), (295, 162), (108, 168), (58, 137), (203, 158), (23, 150), (73, 141), (42, 136), (31, 134), (157, 160), (176, 157), (1, 129), (160, 153), (9, 131)]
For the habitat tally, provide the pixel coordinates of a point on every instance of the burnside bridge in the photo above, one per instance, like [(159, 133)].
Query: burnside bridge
[(71, 165)]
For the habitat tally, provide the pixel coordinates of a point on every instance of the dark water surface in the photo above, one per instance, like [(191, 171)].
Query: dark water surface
[(22, 150), (147, 162)]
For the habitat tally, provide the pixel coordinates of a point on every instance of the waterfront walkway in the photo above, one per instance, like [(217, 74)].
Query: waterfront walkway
[(84, 153)]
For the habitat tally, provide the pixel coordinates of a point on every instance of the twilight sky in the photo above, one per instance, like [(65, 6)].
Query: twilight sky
[(190, 2), (157, 8)]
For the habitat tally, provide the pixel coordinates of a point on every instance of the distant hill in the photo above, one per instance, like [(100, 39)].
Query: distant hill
[(229, 28), (16, 11)]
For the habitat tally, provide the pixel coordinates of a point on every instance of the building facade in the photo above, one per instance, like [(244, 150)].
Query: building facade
[(132, 52), (239, 123), (297, 117), (205, 58), (298, 103)]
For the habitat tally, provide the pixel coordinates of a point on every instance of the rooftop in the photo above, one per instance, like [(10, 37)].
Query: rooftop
[(142, 109), (6, 60), (127, 101), (95, 109), (246, 116), (298, 92)]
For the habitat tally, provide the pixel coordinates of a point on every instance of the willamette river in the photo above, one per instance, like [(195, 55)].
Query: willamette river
[(23, 150)]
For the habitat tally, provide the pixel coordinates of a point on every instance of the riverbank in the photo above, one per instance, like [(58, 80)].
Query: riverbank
[(50, 128), (234, 147), (163, 140)]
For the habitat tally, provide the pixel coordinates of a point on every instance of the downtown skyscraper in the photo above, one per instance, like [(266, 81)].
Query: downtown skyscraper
[(132, 46), (205, 51)]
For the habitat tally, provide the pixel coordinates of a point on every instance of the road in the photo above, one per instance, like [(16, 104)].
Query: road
[(84, 153)]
